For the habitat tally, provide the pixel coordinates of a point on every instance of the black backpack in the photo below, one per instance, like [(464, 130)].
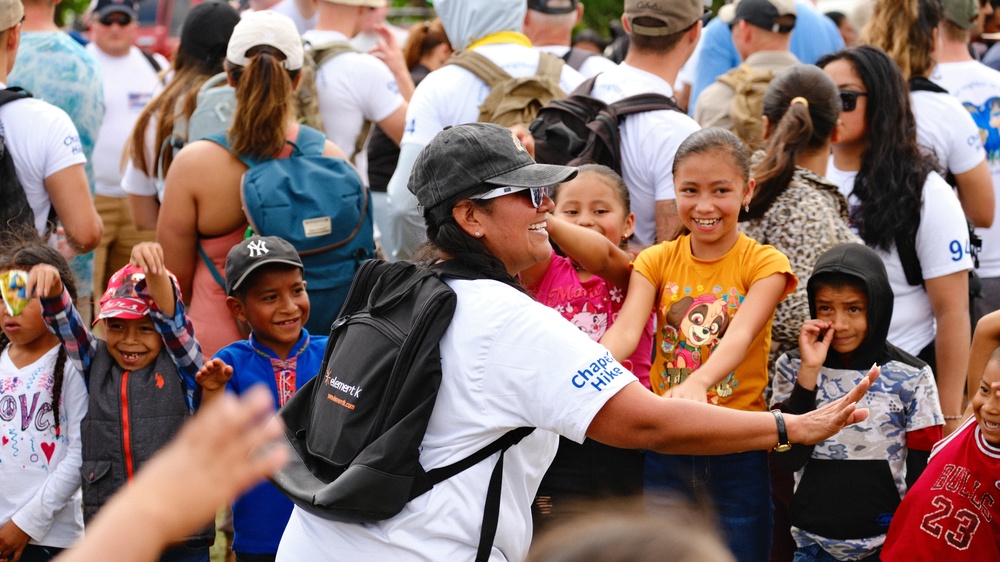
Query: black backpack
[(15, 212), (581, 129), (355, 429)]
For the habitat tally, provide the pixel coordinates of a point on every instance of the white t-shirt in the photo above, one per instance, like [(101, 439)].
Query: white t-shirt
[(507, 362), (40, 469), (129, 84), (977, 86), (288, 8), (648, 143), (942, 248), (592, 66), (944, 126), (450, 95), (352, 87), (42, 141)]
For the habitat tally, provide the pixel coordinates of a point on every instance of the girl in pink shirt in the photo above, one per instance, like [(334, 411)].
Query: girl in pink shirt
[(591, 224)]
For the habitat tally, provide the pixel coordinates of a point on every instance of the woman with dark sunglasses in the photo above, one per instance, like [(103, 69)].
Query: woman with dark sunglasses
[(907, 213), (907, 31)]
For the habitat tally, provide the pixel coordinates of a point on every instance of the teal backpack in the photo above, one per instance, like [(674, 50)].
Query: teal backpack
[(320, 206)]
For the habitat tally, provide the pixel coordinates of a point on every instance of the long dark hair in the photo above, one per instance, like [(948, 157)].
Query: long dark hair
[(890, 183), (804, 125), (24, 254), (446, 240)]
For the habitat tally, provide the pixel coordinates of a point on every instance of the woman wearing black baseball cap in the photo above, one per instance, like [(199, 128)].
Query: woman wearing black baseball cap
[(509, 362)]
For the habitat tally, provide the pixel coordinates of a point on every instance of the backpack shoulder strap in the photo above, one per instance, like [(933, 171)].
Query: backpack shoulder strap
[(212, 82), (152, 61), (576, 57), (13, 94), (310, 141), (326, 51), (484, 69), (921, 84), (491, 513), (549, 65), (641, 103)]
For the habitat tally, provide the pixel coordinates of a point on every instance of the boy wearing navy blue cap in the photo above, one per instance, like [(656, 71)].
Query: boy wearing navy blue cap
[(266, 291)]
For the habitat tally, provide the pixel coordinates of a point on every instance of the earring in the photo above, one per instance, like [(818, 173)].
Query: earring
[(746, 207), (478, 235)]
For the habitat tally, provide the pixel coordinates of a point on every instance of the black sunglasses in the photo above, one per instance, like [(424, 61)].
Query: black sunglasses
[(116, 17), (850, 99)]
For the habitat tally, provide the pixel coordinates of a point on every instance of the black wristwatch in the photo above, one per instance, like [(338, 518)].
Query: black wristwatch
[(783, 443)]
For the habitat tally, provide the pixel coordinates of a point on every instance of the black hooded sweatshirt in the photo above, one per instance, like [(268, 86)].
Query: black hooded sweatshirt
[(844, 477)]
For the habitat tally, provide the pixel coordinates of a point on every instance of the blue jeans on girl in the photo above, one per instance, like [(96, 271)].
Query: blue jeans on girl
[(738, 486)]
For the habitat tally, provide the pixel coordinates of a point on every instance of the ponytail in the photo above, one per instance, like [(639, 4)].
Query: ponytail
[(424, 38), (264, 104), (802, 105)]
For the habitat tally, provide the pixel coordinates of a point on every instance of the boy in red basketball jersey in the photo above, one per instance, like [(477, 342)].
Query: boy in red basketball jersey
[(951, 513)]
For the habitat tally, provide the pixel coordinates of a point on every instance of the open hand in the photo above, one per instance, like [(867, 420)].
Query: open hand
[(214, 374), (44, 281), (824, 422)]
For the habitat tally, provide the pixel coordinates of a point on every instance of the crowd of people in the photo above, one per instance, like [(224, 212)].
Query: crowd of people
[(779, 303)]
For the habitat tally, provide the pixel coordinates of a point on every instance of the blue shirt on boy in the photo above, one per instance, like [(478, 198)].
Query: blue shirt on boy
[(260, 515)]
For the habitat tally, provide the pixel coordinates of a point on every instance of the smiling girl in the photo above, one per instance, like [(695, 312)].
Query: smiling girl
[(42, 401), (591, 222), (711, 282)]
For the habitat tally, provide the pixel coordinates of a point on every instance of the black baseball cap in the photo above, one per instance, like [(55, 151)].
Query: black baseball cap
[(255, 252), (105, 7), (467, 160)]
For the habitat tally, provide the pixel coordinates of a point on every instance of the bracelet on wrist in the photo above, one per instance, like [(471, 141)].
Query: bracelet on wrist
[(953, 418)]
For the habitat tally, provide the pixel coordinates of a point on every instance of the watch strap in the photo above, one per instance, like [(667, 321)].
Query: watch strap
[(783, 443)]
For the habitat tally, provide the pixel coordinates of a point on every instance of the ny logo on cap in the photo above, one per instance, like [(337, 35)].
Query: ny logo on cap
[(257, 248)]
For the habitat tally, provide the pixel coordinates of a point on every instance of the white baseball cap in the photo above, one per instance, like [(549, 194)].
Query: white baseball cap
[(266, 28)]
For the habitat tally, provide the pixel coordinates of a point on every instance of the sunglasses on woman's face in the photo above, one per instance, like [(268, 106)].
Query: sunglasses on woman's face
[(537, 194), (113, 18), (850, 99)]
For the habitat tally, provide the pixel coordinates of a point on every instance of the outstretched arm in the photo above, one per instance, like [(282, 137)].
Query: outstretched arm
[(623, 336), (635, 418), (591, 250)]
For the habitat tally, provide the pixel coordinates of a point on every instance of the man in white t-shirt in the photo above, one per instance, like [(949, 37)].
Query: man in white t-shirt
[(130, 78), (977, 86), (549, 24), (356, 87), (46, 150), (452, 95), (662, 35), (761, 30)]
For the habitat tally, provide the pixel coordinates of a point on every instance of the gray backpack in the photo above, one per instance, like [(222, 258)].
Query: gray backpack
[(214, 108)]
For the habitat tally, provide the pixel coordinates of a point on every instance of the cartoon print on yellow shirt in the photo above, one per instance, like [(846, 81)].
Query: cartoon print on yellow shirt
[(694, 326)]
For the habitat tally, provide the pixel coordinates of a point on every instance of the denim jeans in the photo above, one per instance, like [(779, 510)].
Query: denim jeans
[(192, 551), (813, 553), (738, 487), (37, 553)]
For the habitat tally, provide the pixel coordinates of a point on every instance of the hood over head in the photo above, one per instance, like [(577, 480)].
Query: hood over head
[(467, 21), (860, 261)]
